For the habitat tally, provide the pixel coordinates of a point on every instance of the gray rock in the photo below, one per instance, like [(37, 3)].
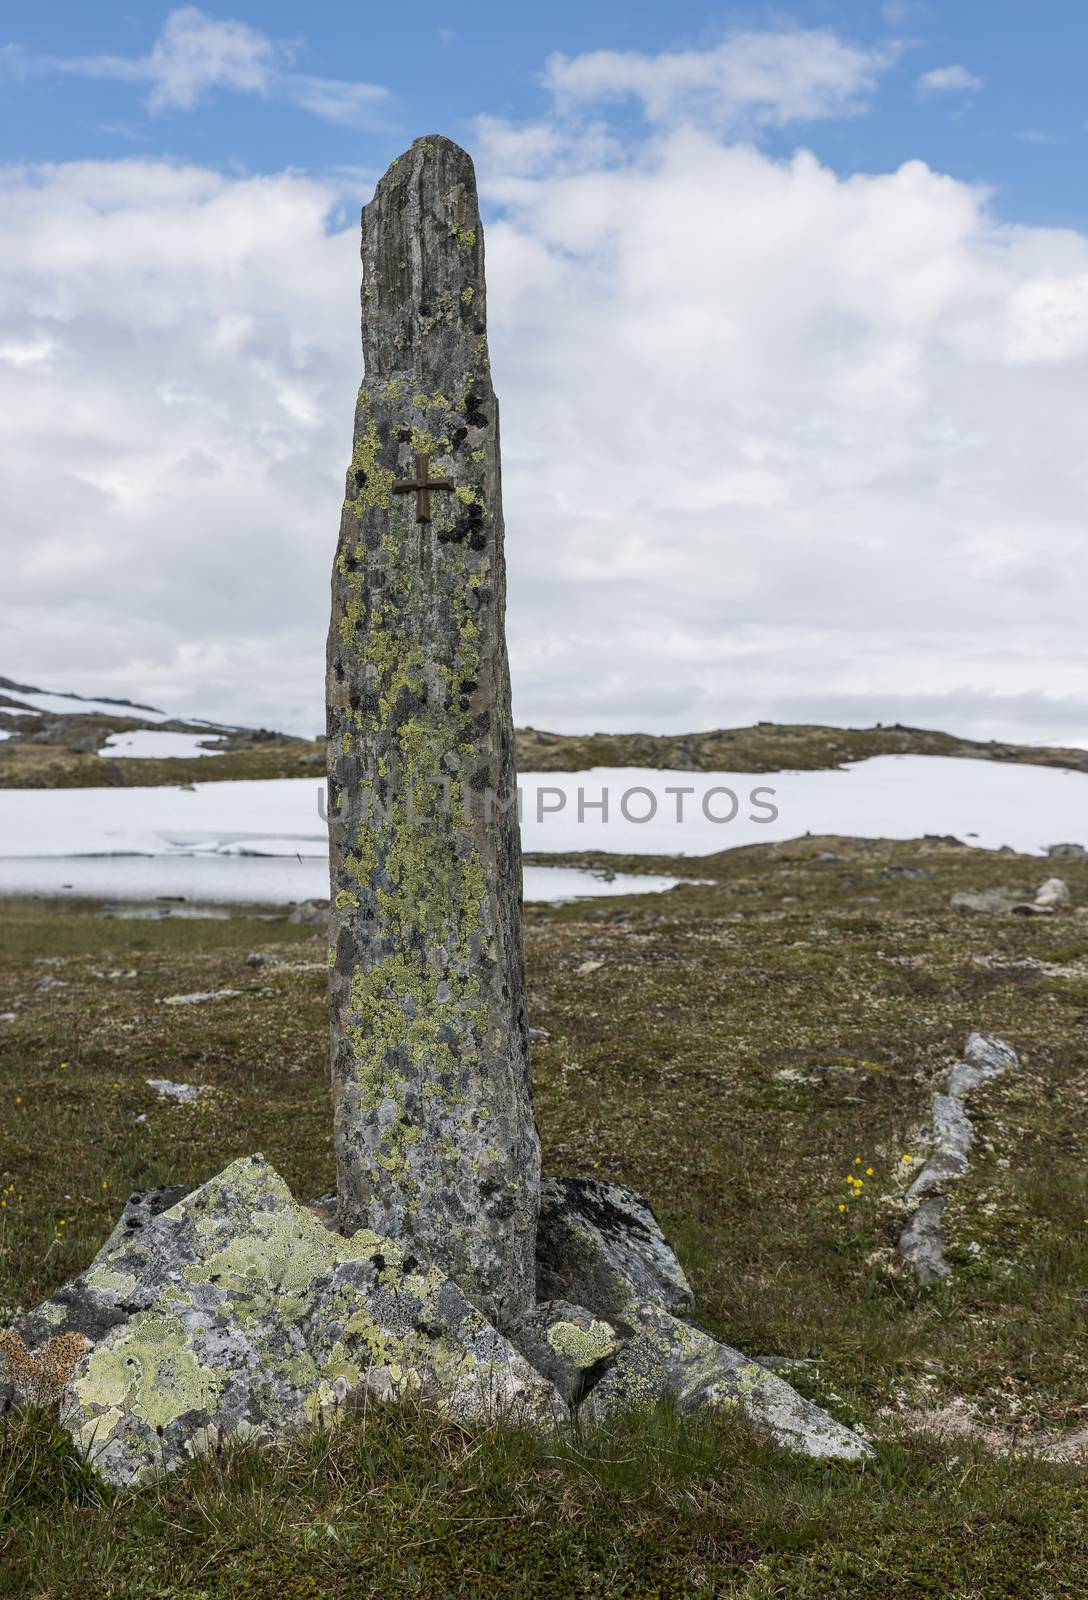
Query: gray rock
[(903, 872), (922, 1240), (433, 1122), (310, 914), (201, 998), (666, 1360), (234, 1313), (181, 1092), (599, 1245), (1066, 852), (567, 1344), (991, 901), (1054, 892)]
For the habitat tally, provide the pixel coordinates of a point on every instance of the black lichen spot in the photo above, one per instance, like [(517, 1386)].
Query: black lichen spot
[(474, 415)]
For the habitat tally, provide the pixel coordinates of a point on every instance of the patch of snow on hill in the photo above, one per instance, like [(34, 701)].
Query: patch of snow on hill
[(148, 744)]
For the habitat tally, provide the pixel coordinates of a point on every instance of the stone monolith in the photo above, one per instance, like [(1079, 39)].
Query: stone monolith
[(434, 1132)]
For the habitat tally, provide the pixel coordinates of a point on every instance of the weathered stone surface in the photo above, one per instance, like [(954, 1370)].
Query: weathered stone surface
[(1053, 892), (599, 1245), (434, 1131), (567, 1344), (665, 1359), (985, 900), (1066, 852), (235, 1313), (922, 1241)]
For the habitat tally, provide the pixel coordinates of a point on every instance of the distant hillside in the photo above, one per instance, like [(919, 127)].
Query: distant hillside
[(54, 740)]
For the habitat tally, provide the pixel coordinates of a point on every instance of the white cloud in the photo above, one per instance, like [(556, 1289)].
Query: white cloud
[(195, 54), (762, 79), (776, 443), (944, 80)]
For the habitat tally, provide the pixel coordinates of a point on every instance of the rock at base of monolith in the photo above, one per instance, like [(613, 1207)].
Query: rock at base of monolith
[(433, 1119), (600, 1246), (235, 1314), (230, 1312), (568, 1345), (665, 1359)]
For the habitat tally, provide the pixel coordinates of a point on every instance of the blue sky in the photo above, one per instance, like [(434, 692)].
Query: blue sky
[(836, 256), (1023, 130)]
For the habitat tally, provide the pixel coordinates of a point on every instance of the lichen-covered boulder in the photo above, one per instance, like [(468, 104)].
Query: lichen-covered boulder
[(666, 1360), (599, 1245), (235, 1313), (568, 1344)]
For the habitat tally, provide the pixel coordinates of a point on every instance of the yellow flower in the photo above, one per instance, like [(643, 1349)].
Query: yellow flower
[(63, 1065), (906, 1158), (842, 1208), (868, 1172), (857, 1161)]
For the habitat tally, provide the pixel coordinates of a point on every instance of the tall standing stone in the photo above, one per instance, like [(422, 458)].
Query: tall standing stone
[(434, 1131)]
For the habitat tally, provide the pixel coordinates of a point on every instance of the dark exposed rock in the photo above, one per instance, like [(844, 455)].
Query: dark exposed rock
[(599, 1245)]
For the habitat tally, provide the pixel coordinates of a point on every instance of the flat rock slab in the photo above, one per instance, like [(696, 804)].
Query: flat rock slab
[(235, 1313), (666, 1359), (922, 1241)]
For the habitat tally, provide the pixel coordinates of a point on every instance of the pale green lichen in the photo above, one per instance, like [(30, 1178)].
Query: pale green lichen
[(583, 1347)]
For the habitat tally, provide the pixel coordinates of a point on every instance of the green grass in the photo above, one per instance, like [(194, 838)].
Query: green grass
[(741, 1045)]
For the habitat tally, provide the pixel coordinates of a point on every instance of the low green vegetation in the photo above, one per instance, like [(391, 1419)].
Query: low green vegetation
[(737, 1051)]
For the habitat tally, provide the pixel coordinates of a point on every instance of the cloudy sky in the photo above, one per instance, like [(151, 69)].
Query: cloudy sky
[(789, 324)]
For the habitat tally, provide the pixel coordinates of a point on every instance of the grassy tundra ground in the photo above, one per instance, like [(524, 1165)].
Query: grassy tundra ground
[(732, 1050), (41, 752)]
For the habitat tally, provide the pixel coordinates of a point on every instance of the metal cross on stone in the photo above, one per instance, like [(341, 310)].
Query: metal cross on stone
[(422, 485), (435, 1140)]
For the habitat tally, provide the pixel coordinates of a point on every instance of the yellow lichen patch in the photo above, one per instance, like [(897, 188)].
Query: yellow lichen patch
[(147, 1368)]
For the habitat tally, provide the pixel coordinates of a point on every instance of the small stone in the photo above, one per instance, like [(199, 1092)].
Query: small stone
[(199, 999), (255, 959), (181, 1092), (990, 901), (1054, 892), (589, 966), (311, 913)]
